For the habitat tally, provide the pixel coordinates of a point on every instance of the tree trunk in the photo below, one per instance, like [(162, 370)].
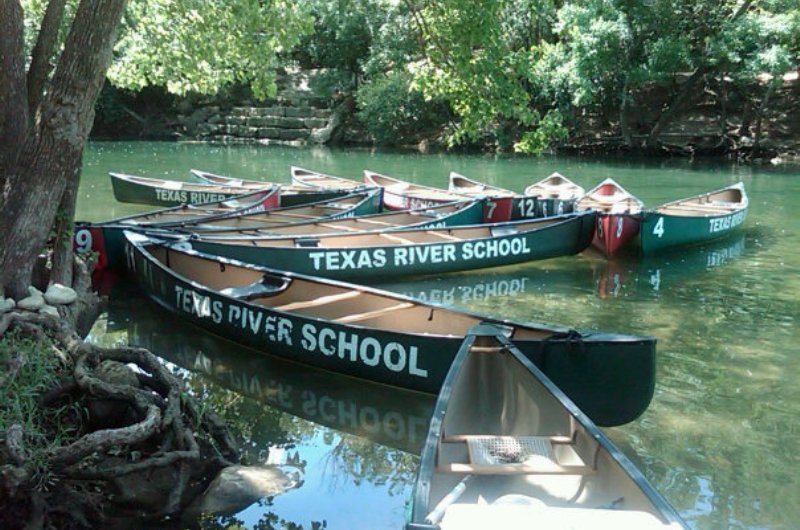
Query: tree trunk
[(50, 156), (13, 107), (64, 229), (624, 109), (761, 109)]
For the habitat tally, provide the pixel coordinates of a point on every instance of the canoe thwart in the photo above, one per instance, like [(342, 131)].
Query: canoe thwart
[(372, 314)]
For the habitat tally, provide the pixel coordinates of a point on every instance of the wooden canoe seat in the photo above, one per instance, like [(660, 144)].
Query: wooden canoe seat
[(513, 455), (314, 302), (396, 239), (371, 314), (443, 236)]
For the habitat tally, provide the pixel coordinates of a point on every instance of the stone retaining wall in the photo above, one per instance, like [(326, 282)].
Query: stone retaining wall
[(297, 115), (274, 124)]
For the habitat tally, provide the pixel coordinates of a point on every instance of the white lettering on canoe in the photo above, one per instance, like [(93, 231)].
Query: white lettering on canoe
[(404, 256), (720, 224), (335, 260), (369, 351), (191, 197), (198, 304)]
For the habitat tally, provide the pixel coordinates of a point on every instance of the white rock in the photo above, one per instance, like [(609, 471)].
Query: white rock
[(6, 304), (49, 310), (237, 487), (33, 291), (58, 294), (32, 303)]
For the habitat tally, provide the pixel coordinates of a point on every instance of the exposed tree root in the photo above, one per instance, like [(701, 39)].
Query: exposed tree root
[(142, 431)]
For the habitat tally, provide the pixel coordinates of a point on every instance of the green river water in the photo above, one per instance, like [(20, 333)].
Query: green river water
[(720, 440)]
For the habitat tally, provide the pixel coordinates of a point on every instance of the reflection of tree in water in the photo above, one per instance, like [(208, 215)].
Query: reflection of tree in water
[(255, 426), (363, 460), (268, 521)]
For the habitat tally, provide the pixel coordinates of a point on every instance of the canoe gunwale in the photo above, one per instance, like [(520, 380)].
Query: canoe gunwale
[(495, 230)]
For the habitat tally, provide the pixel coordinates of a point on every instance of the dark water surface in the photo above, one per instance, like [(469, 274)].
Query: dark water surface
[(721, 439)]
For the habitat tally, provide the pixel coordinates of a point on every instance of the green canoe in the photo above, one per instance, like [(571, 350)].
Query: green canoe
[(166, 193), (459, 213), (106, 238), (693, 220), (377, 335), (389, 254)]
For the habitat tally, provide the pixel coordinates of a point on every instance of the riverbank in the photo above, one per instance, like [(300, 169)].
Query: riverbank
[(719, 122)]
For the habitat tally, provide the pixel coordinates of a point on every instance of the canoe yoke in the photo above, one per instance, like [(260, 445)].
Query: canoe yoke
[(267, 285)]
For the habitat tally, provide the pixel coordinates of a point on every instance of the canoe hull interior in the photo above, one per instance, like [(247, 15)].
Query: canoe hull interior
[(507, 448)]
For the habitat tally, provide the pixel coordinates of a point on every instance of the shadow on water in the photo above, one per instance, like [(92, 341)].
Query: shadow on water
[(386, 415)]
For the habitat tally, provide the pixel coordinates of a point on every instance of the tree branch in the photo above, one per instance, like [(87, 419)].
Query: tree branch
[(40, 67)]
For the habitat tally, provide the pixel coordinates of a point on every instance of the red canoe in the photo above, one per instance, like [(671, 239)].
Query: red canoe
[(618, 215)]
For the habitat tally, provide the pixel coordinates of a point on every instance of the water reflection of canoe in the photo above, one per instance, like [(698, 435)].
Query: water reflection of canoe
[(618, 215), (469, 287), (520, 206), (655, 273), (377, 335), (391, 416), (507, 449), (555, 194), (693, 220), (409, 252), (291, 194), (106, 238)]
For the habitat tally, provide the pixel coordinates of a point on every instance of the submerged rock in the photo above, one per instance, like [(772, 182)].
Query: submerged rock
[(237, 487), (58, 294)]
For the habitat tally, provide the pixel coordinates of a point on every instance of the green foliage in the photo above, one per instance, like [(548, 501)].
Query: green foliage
[(342, 35), (396, 114), (29, 369), (202, 45)]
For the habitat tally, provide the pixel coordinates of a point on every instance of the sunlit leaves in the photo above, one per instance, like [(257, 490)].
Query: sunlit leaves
[(201, 45)]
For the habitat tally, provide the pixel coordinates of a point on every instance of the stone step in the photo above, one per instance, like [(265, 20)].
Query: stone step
[(278, 111)]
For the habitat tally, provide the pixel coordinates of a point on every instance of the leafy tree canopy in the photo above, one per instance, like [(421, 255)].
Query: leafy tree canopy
[(199, 45)]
